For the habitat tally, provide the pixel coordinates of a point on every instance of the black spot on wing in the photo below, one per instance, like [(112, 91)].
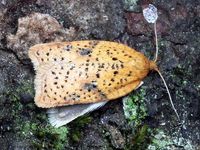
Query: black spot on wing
[(98, 75), (114, 58), (38, 53), (90, 86), (115, 73), (85, 51), (74, 96), (102, 95), (68, 47), (94, 43)]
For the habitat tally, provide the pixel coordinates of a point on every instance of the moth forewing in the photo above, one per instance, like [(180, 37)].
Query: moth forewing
[(80, 72)]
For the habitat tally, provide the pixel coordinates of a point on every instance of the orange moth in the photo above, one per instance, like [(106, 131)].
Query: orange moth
[(84, 75), (79, 72)]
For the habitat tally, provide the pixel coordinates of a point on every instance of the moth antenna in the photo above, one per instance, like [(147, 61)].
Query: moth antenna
[(170, 98), (156, 37), (153, 66)]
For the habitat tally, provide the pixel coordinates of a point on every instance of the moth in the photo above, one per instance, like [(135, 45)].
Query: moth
[(74, 78)]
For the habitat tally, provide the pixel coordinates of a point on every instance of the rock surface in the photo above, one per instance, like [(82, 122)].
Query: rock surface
[(34, 29), (24, 23)]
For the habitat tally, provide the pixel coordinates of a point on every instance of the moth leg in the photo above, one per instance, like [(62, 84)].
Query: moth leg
[(62, 115)]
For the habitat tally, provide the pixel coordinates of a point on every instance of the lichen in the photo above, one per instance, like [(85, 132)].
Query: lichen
[(134, 107), (162, 141), (131, 5), (145, 137)]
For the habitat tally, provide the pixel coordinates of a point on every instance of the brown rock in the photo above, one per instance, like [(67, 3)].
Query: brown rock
[(178, 13), (36, 28), (117, 139), (136, 23)]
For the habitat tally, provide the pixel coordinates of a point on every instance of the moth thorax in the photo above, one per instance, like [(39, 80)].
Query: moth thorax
[(153, 66)]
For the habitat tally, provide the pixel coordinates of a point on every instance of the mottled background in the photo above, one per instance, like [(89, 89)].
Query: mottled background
[(150, 122)]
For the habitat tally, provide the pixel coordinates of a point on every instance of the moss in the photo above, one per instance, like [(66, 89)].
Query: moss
[(13, 96), (58, 136), (78, 124), (49, 137), (24, 87), (31, 123), (82, 121), (141, 138)]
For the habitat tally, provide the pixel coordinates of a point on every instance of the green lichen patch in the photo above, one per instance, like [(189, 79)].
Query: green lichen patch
[(131, 5), (134, 107), (162, 141)]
